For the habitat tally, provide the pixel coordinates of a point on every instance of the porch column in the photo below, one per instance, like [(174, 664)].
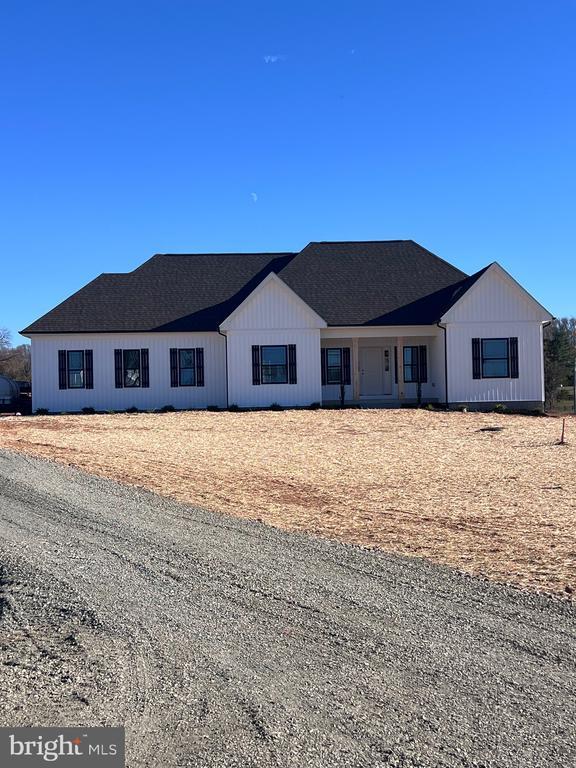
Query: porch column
[(400, 359), (355, 371)]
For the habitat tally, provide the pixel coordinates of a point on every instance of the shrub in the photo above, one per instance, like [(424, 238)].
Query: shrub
[(88, 410), (313, 406), (500, 408), (132, 409), (167, 409), (276, 407), (234, 408), (213, 408), (42, 411)]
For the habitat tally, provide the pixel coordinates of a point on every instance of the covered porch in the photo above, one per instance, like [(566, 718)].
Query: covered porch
[(383, 367)]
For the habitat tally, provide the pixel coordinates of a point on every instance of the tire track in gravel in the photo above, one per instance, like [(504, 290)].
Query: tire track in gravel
[(223, 643)]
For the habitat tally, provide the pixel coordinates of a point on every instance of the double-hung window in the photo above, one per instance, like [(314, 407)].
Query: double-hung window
[(495, 362), (415, 364), (187, 367), (274, 364), (132, 367), (495, 358), (75, 369), (335, 365)]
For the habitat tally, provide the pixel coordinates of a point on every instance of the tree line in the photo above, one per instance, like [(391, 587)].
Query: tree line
[(14, 361), (559, 357)]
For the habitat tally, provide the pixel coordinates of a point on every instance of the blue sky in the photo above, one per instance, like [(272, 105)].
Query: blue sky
[(130, 128)]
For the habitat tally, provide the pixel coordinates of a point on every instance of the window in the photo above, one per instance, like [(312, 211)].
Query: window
[(495, 358), (75, 363), (131, 368), (186, 368), (75, 369), (410, 364), (415, 364), (495, 361), (333, 366), (274, 365), (131, 362)]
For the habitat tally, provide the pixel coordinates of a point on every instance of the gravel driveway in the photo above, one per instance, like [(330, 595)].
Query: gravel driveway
[(219, 642)]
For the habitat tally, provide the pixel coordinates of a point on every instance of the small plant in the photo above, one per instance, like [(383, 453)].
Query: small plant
[(132, 409), (429, 407), (167, 409), (276, 407), (234, 408), (88, 410), (42, 411), (500, 408), (213, 408), (314, 406)]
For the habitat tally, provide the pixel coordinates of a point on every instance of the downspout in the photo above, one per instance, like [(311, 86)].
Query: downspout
[(545, 324), (226, 357), (445, 365)]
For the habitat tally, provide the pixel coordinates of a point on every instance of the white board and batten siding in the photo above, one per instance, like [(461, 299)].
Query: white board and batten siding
[(496, 307), (105, 395), (273, 315)]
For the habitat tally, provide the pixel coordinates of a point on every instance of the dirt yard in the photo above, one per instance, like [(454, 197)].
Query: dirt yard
[(445, 486)]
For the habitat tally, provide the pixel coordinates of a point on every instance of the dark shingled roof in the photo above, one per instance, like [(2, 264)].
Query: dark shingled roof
[(394, 282)]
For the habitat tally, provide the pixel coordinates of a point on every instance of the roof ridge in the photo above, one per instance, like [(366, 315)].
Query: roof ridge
[(347, 242), (229, 253)]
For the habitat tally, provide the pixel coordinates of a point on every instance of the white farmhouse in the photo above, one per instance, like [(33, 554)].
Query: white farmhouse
[(379, 323)]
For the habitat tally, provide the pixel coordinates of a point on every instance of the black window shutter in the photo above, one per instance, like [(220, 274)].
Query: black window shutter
[(199, 367), (476, 360), (292, 379), (174, 367), (88, 369), (62, 382), (346, 378), (324, 366), (144, 368), (118, 368), (513, 352), (255, 364), (423, 364), (395, 365)]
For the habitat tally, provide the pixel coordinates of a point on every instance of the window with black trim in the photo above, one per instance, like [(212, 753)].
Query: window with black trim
[(187, 367), (132, 368), (334, 366), (495, 358), (410, 364), (75, 368), (274, 364), (415, 364)]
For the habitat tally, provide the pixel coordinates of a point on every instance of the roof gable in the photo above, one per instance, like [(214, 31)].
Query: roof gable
[(272, 304), (496, 296)]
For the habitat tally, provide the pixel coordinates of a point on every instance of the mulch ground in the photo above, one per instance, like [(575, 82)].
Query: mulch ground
[(490, 494)]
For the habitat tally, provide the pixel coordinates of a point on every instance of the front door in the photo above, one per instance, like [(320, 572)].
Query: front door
[(375, 371)]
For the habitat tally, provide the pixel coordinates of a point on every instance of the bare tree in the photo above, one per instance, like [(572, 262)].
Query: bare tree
[(5, 338)]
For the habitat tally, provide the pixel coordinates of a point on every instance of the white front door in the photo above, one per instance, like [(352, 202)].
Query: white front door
[(375, 371)]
